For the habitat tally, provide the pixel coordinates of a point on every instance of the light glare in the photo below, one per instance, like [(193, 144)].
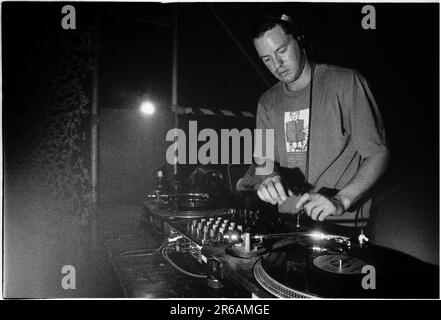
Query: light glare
[(147, 108)]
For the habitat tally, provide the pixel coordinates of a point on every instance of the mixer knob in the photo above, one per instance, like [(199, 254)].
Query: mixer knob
[(240, 228), (247, 242), (221, 230), (194, 222), (199, 225), (205, 238), (205, 229), (203, 220), (232, 236), (211, 220), (212, 233), (230, 228), (232, 224)]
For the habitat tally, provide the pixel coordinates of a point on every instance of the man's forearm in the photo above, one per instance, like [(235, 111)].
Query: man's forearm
[(368, 173)]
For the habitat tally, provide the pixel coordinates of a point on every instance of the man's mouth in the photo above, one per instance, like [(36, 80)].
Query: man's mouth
[(283, 73)]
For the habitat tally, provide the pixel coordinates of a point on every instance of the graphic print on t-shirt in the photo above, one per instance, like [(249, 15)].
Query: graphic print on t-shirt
[(296, 130)]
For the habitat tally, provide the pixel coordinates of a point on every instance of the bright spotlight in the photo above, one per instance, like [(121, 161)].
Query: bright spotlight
[(148, 108)]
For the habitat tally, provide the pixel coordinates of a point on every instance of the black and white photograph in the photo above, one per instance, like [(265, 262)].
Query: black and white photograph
[(214, 152)]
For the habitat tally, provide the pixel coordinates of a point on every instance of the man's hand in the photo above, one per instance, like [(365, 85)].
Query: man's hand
[(271, 190), (318, 206)]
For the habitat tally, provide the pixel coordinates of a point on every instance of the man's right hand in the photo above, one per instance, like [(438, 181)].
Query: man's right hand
[(272, 190)]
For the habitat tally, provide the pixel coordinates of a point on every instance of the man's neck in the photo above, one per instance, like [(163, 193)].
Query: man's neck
[(303, 80)]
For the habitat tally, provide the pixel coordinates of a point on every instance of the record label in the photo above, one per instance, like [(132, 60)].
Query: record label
[(339, 264)]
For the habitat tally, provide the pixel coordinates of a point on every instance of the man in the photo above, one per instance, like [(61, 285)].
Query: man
[(345, 152)]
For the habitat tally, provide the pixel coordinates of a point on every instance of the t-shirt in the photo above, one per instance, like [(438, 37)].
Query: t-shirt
[(343, 126)]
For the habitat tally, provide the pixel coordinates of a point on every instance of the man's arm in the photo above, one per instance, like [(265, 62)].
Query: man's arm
[(369, 172), (319, 206), (363, 120)]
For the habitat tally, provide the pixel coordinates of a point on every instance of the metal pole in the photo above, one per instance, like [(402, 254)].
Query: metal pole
[(94, 151), (175, 57), (174, 99)]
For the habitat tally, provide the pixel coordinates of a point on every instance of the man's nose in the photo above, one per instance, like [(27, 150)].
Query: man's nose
[(278, 62)]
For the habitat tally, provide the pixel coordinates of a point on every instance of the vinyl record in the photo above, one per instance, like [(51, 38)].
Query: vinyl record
[(302, 268), (339, 264)]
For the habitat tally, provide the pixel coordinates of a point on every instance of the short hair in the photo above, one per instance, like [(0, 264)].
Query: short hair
[(288, 25)]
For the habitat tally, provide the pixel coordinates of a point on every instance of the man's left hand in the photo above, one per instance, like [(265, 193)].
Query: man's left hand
[(319, 207)]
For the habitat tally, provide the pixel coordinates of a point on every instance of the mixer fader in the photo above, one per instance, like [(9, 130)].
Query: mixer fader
[(229, 227), (235, 230)]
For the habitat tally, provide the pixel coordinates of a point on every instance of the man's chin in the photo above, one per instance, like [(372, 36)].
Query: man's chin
[(287, 79)]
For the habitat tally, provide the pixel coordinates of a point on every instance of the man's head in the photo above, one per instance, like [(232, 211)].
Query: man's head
[(294, 115), (278, 45)]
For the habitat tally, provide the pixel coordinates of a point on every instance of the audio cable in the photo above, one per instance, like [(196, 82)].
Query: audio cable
[(139, 252), (164, 252)]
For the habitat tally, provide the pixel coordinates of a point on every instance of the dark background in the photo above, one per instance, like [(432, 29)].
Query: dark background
[(134, 46)]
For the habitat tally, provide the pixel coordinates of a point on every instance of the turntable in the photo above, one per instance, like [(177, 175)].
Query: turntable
[(272, 255), (165, 207), (308, 266), (185, 205)]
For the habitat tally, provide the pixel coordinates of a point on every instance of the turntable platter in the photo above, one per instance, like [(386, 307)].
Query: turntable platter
[(300, 269), (188, 214), (185, 205)]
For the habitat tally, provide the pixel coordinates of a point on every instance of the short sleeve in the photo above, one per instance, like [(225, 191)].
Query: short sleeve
[(366, 124)]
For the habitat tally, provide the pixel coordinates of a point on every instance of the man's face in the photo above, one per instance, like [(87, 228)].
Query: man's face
[(281, 54), (294, 116)]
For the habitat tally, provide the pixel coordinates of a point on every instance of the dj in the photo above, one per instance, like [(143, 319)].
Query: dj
[(330, 145)]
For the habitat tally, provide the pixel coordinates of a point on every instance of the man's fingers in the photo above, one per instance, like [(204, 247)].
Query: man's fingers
[(324, 214), (265, 194), (273, 191), (271, 188), (303, 199), (317, 206), (280, 190), (260, 195), (310, 206), (316, 212)]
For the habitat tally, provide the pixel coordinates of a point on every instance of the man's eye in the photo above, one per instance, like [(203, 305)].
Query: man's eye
[(282, 50), (266, 60)]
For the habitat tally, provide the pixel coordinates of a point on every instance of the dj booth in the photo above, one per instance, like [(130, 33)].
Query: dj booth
[(191, 247)]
